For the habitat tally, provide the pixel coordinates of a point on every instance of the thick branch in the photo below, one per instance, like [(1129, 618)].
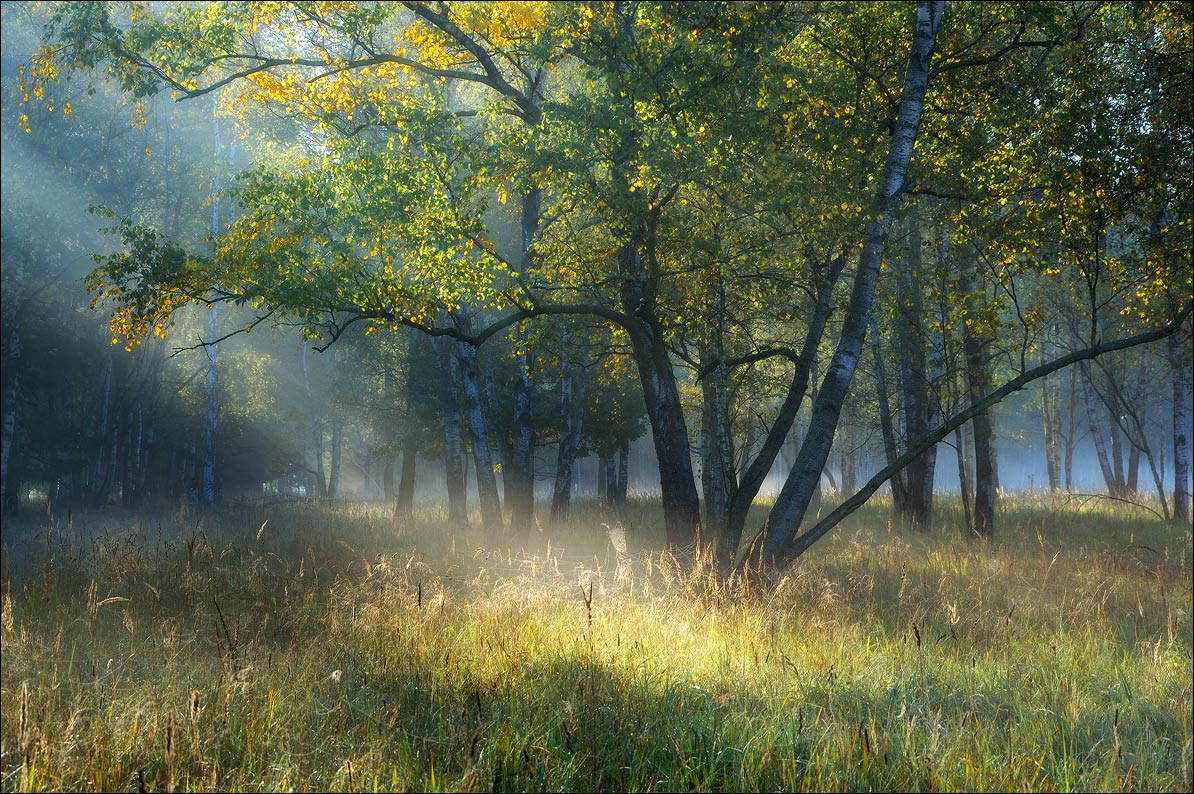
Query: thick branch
[(801, 543), (493, 75), (749, 358)]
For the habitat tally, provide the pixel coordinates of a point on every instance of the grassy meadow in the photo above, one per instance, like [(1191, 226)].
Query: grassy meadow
[(308, 647)]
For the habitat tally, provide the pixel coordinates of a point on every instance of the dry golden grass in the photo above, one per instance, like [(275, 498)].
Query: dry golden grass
[(327, 650)]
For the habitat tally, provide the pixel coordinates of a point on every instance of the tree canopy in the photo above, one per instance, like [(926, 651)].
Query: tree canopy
[(723, 189)]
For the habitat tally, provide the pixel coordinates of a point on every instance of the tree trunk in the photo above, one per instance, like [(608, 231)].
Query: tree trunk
[(1071, 437), (387, 481), (8, 414), (572, 398), (487, 492), (501, 434), (1178, 367), (404, 506), (419, 348), (520, 473), (964, 486), (974, 349), (1049, 420), (136, 476), (105, 456), (718, 478), (315, 470), (454, 463), (1132, 486), (126, 464), (916, 382), (669, 431), (209, 492), (611, 480), (780, 541), (209, 488), (337, 445), (390, 436), (623, 471), (1117, 461), (849, 460), (899, 495), (640, 272), (985, 491), (320, 471), (1096, 434)]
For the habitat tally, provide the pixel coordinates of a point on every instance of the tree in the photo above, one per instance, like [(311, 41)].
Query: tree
[(646, 206)]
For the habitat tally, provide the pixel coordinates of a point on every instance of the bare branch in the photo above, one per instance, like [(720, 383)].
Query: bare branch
[(202, 344)]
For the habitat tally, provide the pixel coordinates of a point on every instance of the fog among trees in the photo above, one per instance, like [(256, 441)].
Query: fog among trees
[(596, 396), (498, 257)]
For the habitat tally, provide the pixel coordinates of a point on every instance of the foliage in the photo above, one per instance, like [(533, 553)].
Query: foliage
[(697, 176)]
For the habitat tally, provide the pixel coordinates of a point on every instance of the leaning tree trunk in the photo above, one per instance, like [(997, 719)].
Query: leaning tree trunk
[(1096, 434), (755, 474), (1178, 367), (780, 543)]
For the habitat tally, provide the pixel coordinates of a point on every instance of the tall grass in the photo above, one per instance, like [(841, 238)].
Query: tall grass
[(322, 648)]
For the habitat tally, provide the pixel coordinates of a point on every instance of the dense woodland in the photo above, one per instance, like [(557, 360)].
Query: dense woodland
[(357, 250)]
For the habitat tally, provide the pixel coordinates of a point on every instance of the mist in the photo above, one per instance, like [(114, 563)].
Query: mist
[(603, 396), (300, 406)]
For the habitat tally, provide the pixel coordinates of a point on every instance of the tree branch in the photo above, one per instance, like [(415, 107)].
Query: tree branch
[(201, 344), (749, 358), (802, 542)]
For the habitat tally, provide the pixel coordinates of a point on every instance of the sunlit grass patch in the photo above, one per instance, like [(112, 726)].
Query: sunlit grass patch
[(322, 648)]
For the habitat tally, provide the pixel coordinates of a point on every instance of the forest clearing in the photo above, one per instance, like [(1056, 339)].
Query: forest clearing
[(617, 395)]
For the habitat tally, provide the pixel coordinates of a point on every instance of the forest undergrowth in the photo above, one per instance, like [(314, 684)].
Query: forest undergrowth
[(318, 647)]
